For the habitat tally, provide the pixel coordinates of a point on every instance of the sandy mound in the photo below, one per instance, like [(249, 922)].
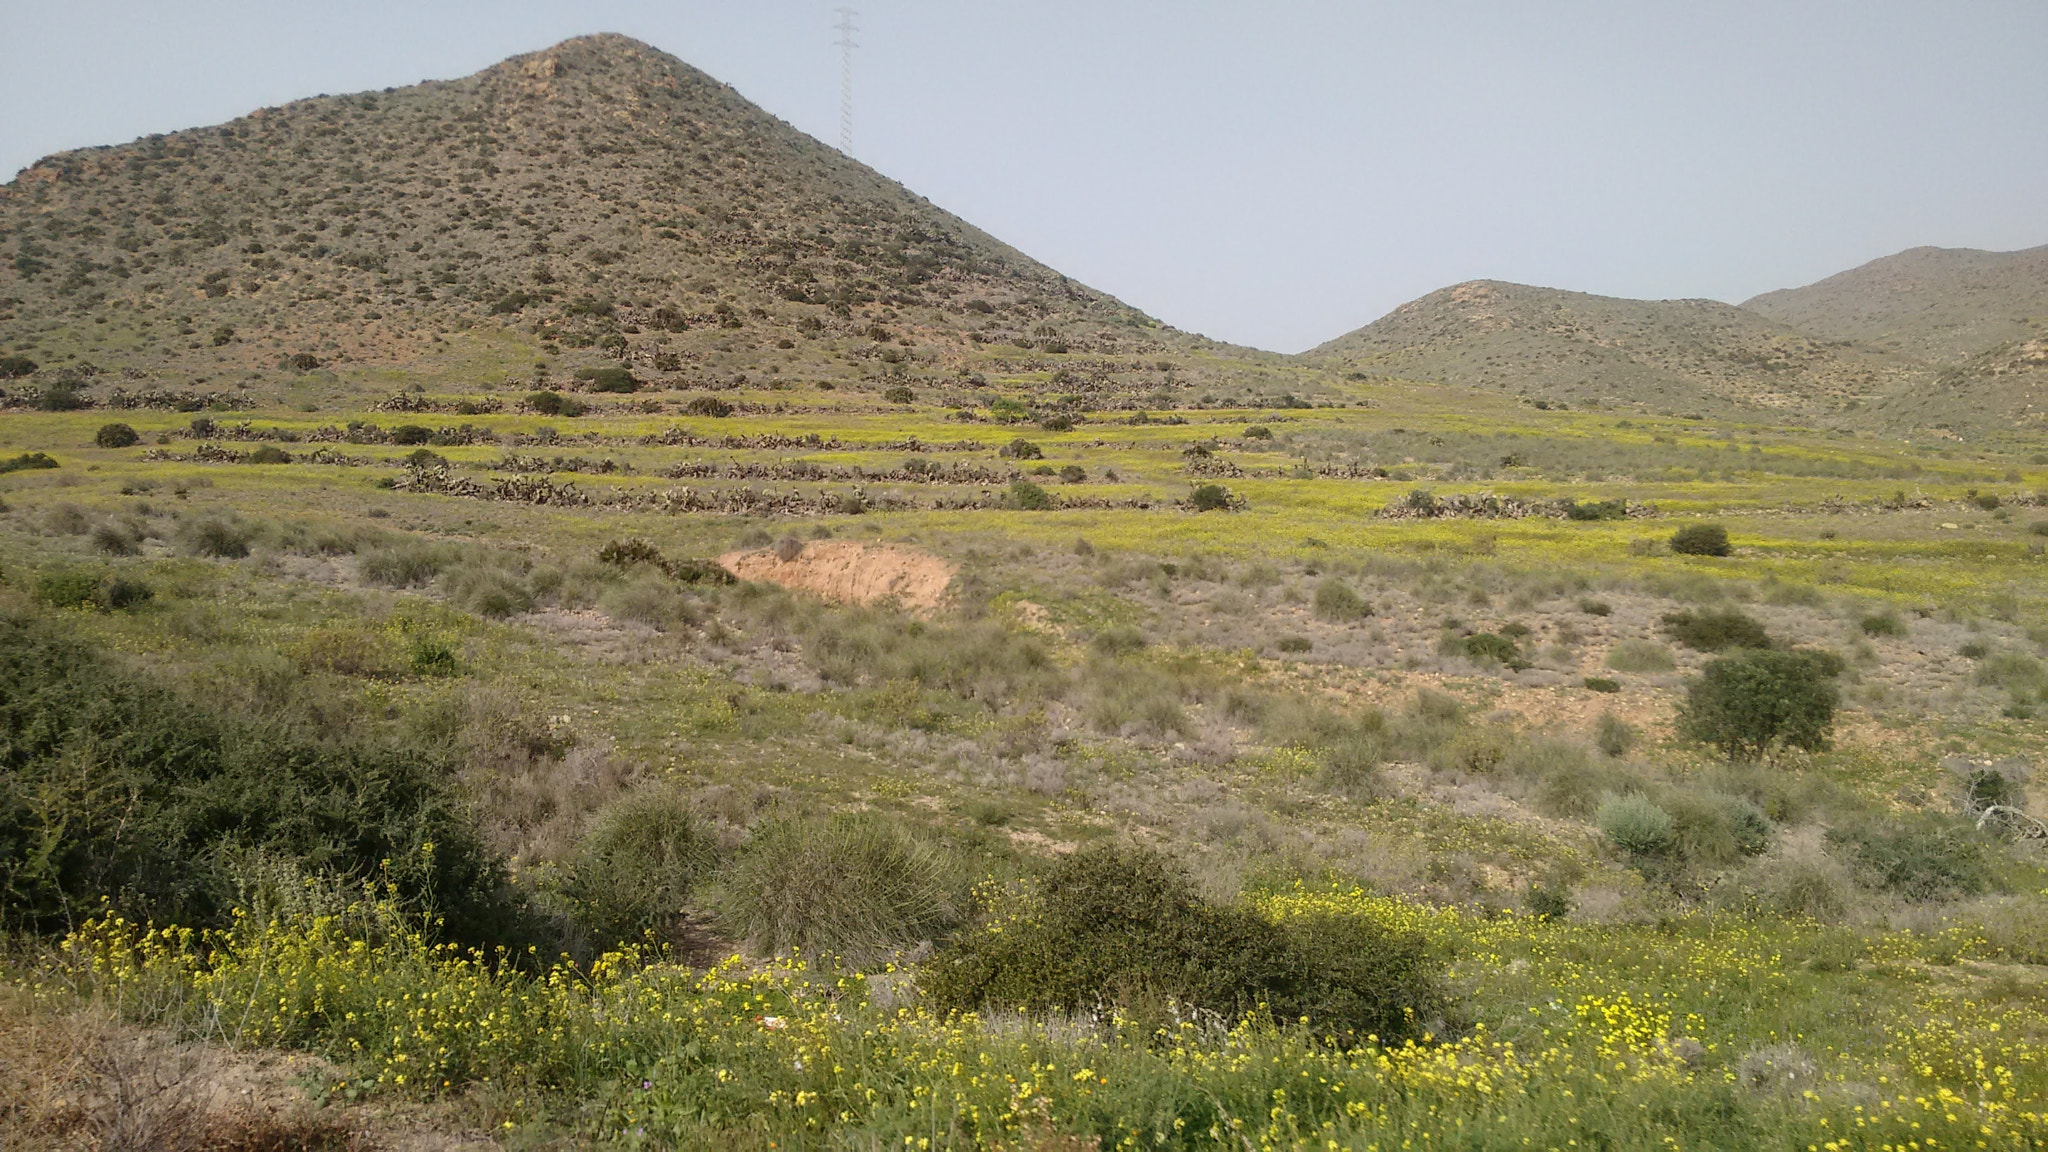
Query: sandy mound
[(852, 573)]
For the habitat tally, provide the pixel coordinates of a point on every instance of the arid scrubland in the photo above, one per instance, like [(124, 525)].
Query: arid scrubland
[(598, 622)]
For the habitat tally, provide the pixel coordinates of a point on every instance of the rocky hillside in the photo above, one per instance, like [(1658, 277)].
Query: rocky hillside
[(599, 202), (1665, 355), (1941, 305)]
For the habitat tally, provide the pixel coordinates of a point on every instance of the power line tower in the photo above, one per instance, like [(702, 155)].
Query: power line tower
[(846, 46)]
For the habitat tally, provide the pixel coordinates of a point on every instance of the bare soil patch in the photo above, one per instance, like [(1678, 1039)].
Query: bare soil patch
[(849, 572)]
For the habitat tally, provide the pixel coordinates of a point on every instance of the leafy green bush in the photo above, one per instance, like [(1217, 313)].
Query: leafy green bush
[(899, 394), (1116, 925), (1716, 631), (431, 657), (551, 403), (406, 435), (27, 461), (1024, 496), (1757, 702), (1293, 644), (268, 454), (1209, 498), (855, 885), (637, 867), (15, 367), (1596, 607), (1600, 684), (1489, 648), (1021, 449), (1336, 602), (1258, 432), (710, 406), (1701, 540), (608, 378), (1923, 858), (1886, 623), (1640, 656), (113, 786), (115, 436), (1634, 824), (1596, 510)]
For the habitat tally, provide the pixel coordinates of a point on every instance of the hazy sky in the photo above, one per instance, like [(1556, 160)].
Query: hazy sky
[(1268, 173)]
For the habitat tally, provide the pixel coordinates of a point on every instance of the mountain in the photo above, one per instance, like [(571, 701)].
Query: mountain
[(598, 202), (1666, 355), (1941, 305)]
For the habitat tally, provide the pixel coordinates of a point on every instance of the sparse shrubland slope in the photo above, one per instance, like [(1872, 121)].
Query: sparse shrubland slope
[(1940, 305), (1980, 317), (599, 199), (1669, 355)]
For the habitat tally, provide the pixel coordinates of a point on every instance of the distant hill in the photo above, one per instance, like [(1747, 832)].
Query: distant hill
[(599, 201), (1668, 355), (1941, 305)]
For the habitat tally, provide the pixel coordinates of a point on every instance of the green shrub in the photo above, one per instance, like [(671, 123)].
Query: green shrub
[(1258, 432), (1614, 736), (1886, 623), (551, 403), (1124, 926), (1716, 631), (1755, 703), (854, 885), (1714, 829), (1600, 684), (1073, 474), (15, 367), (425, 458), (27, 461), (173, 794), (899, 394), (1489, 648), (1118, 639), (608, 378), (1209, 498), (710, 406), (1596, 510), (1548, 901), (1337, 603), (1293, 644), (268, 454), (403, 563), (1634, 824), (1701, 540), (115, 436), (636, 869), (488, 586), (221, 537), (406, 435), (1021, 449), (1640, 656), (1596, 607), (1923, 858), (431, 657), (1024, 496), (67, 588)]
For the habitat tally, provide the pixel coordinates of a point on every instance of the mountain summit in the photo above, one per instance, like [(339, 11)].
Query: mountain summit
[(597, 199)]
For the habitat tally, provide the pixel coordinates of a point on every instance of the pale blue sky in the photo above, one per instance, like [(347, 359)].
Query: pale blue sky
[(1267, 173)]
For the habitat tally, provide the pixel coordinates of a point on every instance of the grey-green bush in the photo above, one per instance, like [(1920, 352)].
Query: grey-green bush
[(1634, 824), (637, 867), (855, 885)]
